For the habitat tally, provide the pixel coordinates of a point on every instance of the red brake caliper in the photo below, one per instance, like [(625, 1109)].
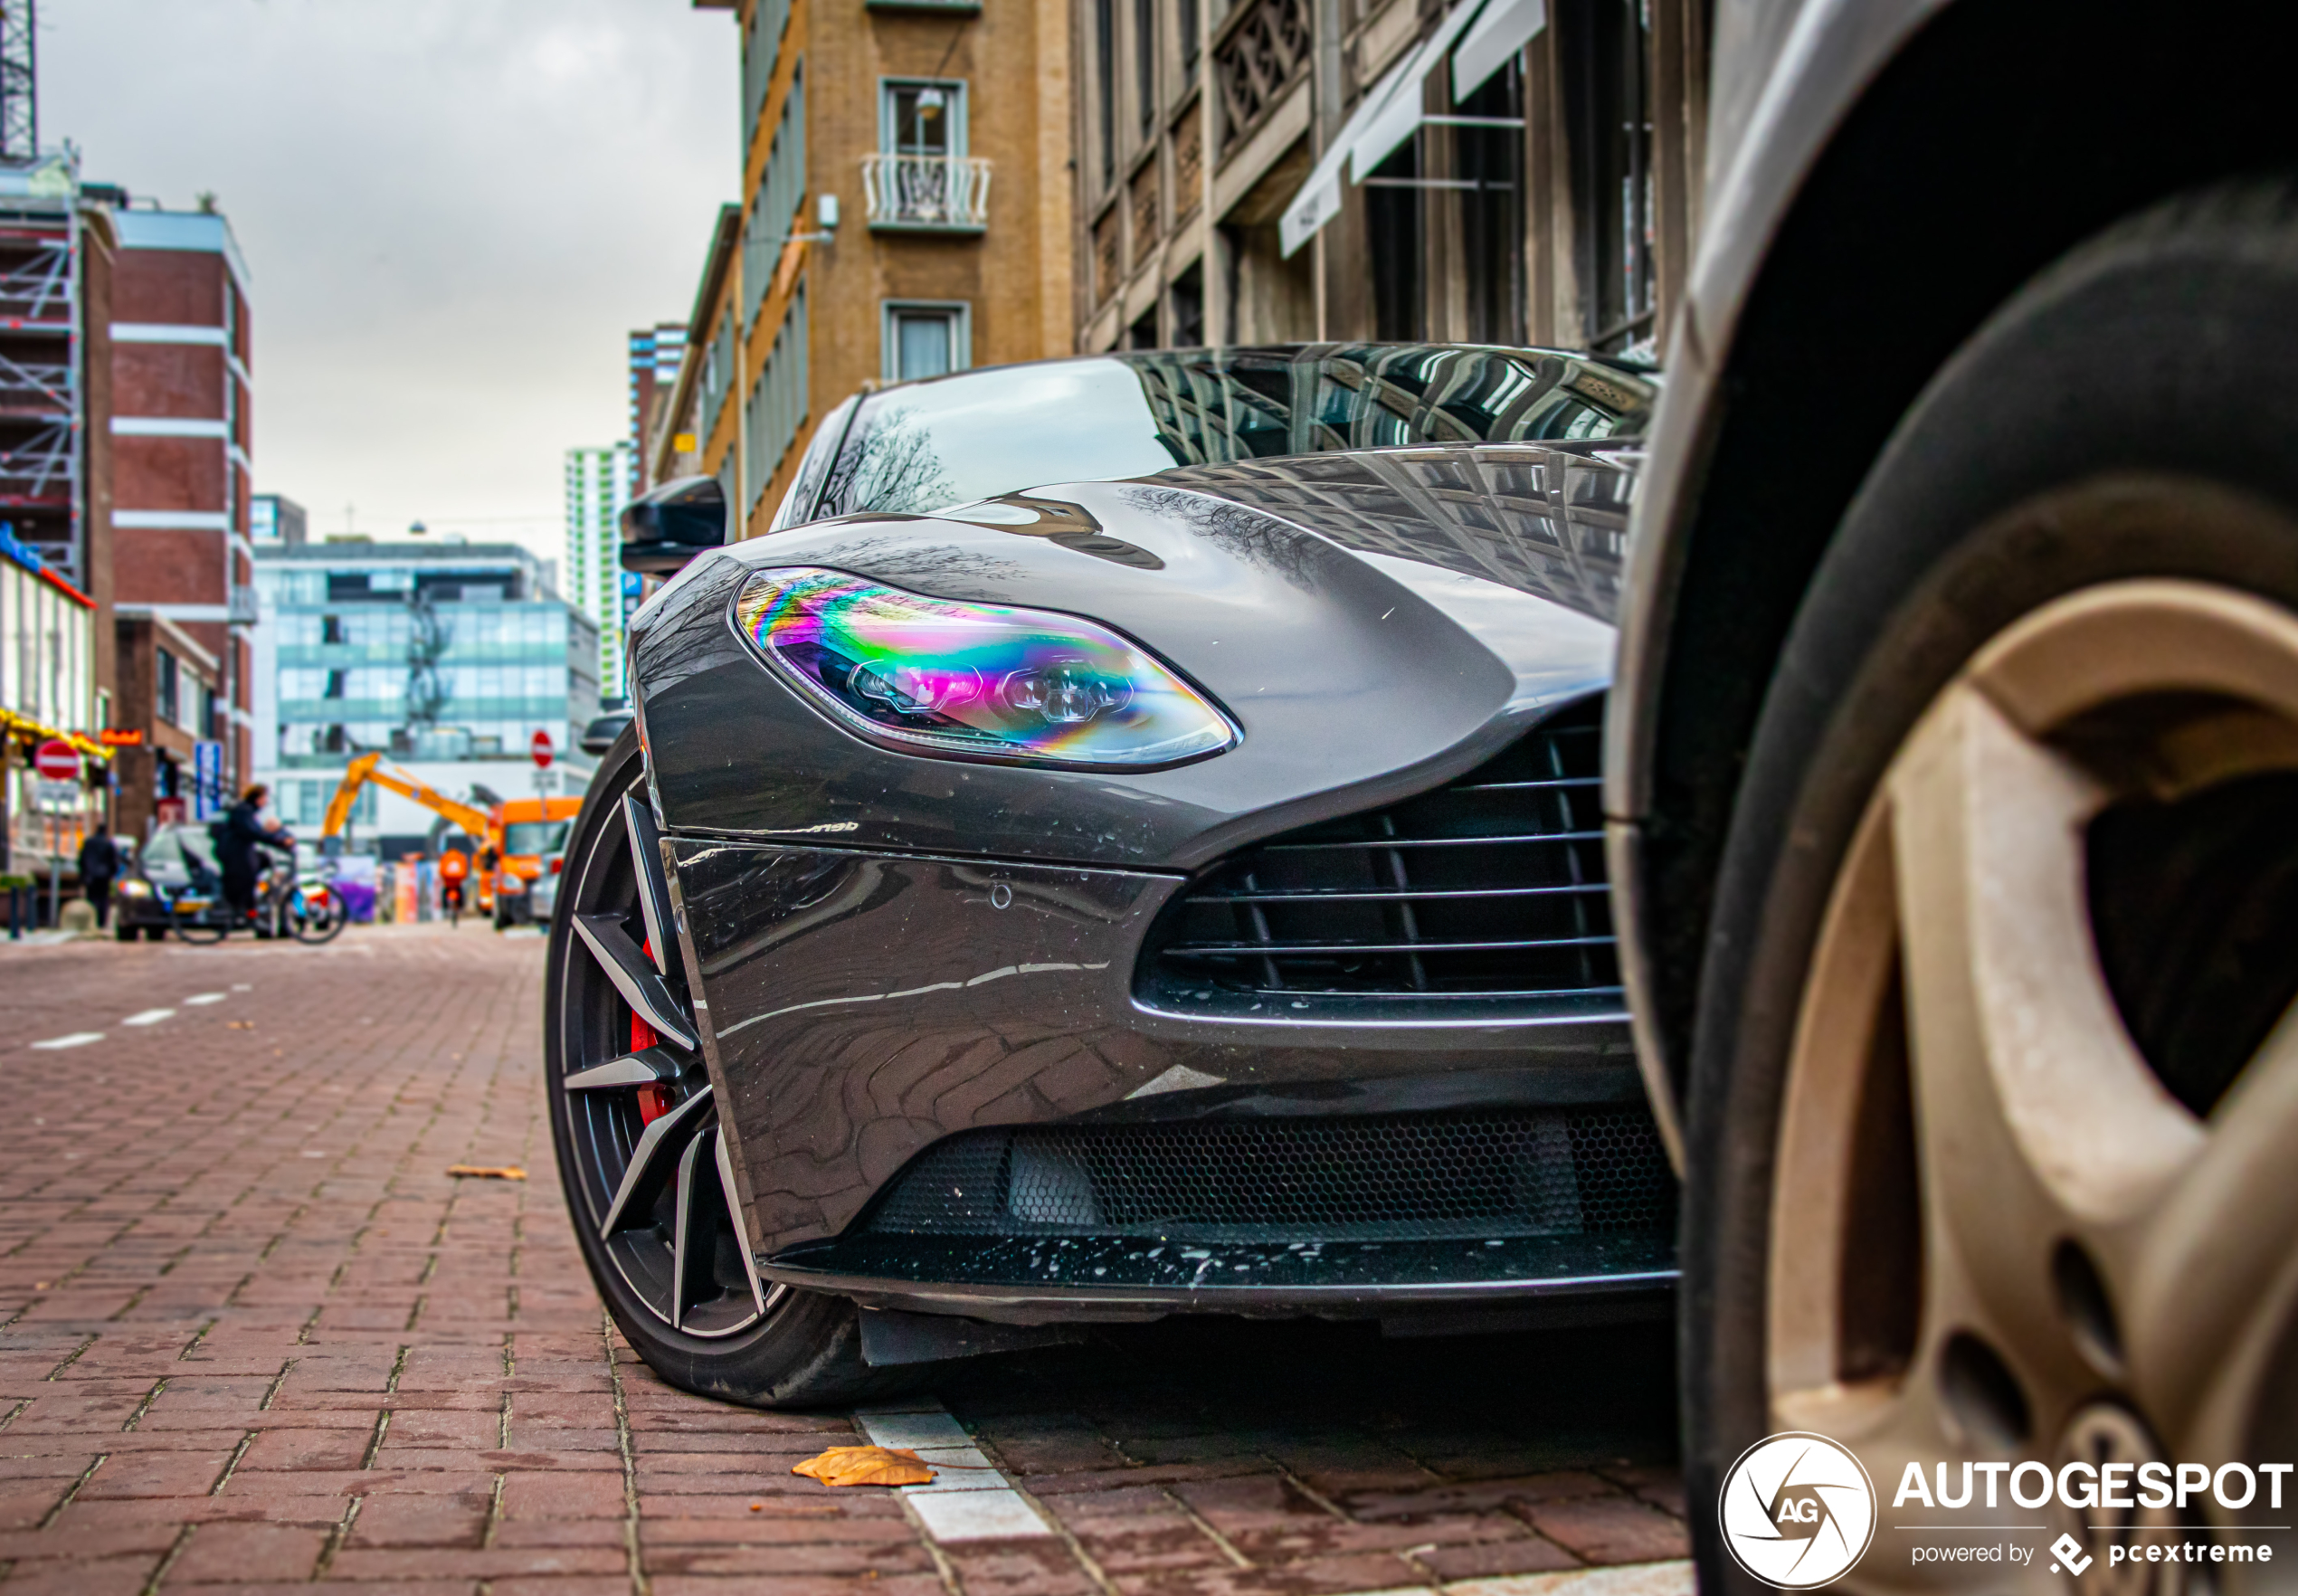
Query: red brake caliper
[(654, 1101)]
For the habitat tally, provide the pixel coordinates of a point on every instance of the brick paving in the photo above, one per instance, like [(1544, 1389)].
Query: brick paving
[(253, 1337)]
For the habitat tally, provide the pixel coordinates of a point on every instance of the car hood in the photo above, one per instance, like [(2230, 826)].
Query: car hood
[(1376, 623)]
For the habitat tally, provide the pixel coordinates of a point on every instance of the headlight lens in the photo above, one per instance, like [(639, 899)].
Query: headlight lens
[(985, 681), (132, 887)]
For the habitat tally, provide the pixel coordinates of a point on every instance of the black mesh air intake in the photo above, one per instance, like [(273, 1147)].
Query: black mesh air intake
[(1390, 1177), (1491, 888)]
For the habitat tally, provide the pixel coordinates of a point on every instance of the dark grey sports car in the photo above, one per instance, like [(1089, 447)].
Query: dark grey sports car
[(1127, 844)]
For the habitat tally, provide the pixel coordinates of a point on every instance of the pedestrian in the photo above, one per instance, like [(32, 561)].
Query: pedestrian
[(237, 837), (99, 868)]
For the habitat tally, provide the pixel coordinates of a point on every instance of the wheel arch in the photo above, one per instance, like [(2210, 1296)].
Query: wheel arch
[(2004, 132)]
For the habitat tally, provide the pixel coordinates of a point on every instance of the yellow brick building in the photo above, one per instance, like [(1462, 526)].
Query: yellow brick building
[(906, 210)]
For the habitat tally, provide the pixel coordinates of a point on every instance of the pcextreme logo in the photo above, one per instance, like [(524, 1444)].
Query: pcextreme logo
[(1797, 1511)]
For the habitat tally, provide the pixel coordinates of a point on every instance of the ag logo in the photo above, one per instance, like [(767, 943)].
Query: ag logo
[(1797, 1511)]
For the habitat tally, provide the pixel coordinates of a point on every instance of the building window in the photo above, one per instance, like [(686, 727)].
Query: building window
[(1144, 62), (1105, 72), (1187, 297), (1610, 129), (1392, 215), (1489, 162), (927, 340), (1142, 334), (1189, 41), (169, 689), (922, 118)]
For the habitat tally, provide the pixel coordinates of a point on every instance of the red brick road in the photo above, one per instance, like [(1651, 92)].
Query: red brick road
[(252, 1336)]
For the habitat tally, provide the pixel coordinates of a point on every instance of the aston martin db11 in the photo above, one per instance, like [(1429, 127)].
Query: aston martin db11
[(1126, 844)]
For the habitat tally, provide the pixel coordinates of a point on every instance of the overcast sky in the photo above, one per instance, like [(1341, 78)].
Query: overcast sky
[(453, 211)]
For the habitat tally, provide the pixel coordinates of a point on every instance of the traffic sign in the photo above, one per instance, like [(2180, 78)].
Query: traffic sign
[(542, 750), (57, 761)]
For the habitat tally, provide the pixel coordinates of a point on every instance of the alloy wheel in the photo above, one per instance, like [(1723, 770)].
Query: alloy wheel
[(2034, 1192), (650, 1160)]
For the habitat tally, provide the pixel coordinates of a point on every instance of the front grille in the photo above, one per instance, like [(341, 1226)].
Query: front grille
[(1578, 1172), (1490, 888)]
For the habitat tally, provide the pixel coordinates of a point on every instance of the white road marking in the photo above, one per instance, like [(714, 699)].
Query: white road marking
[(78, 1038), (968, 1499), (148, 1017), (194, 1001), (1632, 1579)]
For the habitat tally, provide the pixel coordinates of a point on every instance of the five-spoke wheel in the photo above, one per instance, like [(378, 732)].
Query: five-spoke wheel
[(650, 1176)]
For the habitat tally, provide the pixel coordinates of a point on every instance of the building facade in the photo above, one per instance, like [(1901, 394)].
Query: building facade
[(57, 249), (1490, 171), (904, 213), (180, 434), (447, 658), (599, 483), (277, 522), (655, 354)]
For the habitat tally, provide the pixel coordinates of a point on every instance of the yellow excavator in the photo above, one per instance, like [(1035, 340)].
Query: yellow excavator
[(484, 830), (369, 767), (520, 841)]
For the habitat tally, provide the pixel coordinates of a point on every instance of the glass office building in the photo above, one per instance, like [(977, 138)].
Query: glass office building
[(445, 657)]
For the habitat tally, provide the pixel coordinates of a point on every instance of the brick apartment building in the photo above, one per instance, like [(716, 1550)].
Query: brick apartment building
[(183, 571)]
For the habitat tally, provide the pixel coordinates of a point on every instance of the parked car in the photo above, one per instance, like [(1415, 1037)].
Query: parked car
[(173, 880), (1951, 766), (1125, 845)]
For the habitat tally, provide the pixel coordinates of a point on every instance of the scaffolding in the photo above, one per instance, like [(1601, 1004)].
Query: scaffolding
[(42, 356), (19, 83)]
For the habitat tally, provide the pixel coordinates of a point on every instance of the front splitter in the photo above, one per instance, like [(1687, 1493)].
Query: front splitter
[(1034, 1280)]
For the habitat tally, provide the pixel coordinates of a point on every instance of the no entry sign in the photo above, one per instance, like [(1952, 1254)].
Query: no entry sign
[(542, 751), (57, 761)]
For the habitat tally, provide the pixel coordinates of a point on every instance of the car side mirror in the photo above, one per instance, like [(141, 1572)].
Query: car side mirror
[(664, 528)]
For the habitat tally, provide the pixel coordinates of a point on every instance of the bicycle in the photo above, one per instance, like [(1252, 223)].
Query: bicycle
[(289, 902)]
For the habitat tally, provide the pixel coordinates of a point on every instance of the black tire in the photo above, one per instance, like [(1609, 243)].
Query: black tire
[(769, 1347), (2127, 416), (323, 926), (124, 932), (154, 934)]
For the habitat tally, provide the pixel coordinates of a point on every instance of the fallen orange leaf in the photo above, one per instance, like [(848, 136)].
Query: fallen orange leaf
[(879, 1466), (488, 1171)]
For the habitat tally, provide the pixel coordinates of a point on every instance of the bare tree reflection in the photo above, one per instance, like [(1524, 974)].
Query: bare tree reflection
[(890, 467)]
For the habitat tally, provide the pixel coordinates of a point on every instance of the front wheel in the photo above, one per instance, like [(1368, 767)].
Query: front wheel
[(319, 914), (643, 1156), (1992, 1090)]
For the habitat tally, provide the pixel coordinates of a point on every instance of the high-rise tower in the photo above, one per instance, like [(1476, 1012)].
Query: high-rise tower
[(598, 486)]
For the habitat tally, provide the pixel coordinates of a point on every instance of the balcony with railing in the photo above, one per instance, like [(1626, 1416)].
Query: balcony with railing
[(926, 192)]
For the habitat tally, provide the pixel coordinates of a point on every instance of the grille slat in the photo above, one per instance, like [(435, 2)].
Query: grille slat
[(1385, 844), (1340, 896), (1493, 1173), (1492, 886), (1223, 949)]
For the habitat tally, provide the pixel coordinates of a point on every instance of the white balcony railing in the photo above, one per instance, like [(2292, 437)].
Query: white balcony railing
[(949, 193)]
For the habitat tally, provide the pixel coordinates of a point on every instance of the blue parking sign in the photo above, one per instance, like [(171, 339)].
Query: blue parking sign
[(207, 779)]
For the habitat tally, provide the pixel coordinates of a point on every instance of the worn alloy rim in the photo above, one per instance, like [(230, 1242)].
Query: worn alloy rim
[(651, 1155), (1997, 1231)]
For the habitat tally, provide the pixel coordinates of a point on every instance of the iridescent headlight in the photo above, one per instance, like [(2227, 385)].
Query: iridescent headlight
[(984, 681)]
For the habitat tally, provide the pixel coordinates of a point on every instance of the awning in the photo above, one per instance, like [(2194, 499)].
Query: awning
[(1507, 27), (1397, 105)]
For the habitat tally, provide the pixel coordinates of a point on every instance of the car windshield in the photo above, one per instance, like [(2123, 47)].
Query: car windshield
[(170, 844), (535, 836), (958, 438)]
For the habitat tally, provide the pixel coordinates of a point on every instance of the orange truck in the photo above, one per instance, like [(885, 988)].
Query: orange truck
[(530, 844), (520, 840)]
